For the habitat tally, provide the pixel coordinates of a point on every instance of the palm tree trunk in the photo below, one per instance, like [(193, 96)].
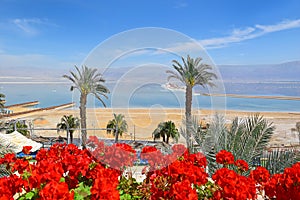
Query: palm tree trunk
[(83, 119), (71, 136), (117, 136), (188, 113)]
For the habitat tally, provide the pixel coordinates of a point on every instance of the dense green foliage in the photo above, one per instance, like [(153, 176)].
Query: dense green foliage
[(247, 139), (21, 128), (4, 150), (2, 96), (277, 160)]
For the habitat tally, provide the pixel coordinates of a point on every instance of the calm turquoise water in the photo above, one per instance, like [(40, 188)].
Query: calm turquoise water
[(154, 95)]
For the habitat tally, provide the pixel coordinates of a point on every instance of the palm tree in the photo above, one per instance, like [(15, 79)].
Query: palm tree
[(245, 138), (2, 102), (87, 81), (166, 130), (298, 130), (191, 73), (118, 125), (21, 127), (278, 159), (198, 132), (5, 149), (69, 124)]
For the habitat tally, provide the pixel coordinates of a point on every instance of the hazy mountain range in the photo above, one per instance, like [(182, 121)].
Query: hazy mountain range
[(288, 71)]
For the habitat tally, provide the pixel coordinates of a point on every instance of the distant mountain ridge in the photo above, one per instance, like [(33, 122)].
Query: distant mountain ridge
[(288, 71)]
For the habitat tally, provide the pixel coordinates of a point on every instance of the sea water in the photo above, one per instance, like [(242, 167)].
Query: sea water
[(50, 94)]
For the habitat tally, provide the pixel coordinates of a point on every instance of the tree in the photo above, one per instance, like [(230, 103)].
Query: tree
[(191, 73), (198, 132), (87, 81), (298, 130), (2, 101), (118, 125), (166, 130), (5, 149), (21, 127), (69, 124), (277, 160), (245, 138)]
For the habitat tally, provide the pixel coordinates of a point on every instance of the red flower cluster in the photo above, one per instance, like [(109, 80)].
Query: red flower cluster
[(241, 165), (65, 162), (59, 173), (26, 149), (153, 156), (285, 186), (119, 156), (176, 180), (56, 190), (261, 175), (105, 183), (179, 150), (116, 156), (233, 185), (224, 157), (9, 186)]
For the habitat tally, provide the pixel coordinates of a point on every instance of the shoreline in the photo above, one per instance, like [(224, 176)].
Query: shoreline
[(201, 109), (292, 98), (143, 121)]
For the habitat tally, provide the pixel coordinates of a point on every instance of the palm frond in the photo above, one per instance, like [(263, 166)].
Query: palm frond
[(246, 139), (100, 99), (260, 132), (118, 124), (193, 72), (157, 133), (166, 130), (4, 149), (277, 160)]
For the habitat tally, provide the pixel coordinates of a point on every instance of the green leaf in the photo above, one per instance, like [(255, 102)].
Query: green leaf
[(33, 194), (126, 197), (82, 192), (30, 195), (26, 175)]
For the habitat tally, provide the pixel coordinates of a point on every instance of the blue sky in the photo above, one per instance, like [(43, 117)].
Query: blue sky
[(60, 33)]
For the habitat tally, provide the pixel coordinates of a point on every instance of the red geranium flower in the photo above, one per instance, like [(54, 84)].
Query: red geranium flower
[(224, 157), (261, 175), (179, 149), (285, 186), (26, 149), (233, 185), (242, 165)]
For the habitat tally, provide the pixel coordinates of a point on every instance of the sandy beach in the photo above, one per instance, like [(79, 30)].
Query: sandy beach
[(142, 121)]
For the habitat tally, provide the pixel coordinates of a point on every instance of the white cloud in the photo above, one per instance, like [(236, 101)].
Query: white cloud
[(286, 24), (240, 32), (30, 26), (237, 35)]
